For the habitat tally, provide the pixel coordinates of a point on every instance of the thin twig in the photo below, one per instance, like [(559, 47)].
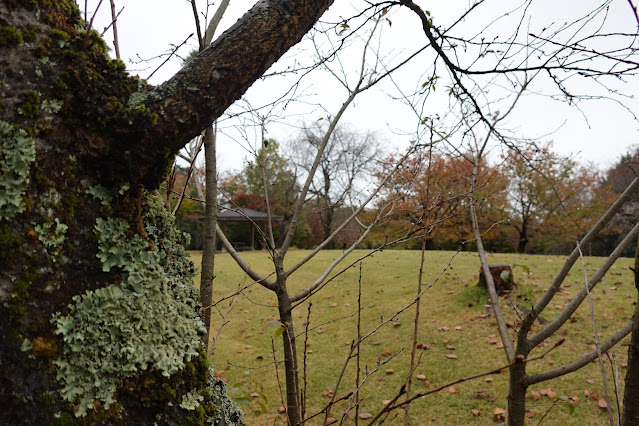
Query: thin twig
[(170, 56), (304, 375), (277, 377), (596, 335), (359, 337)]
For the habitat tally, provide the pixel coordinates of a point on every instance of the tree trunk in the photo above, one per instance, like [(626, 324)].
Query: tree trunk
[(523, 238), (631, 390), (517, 395), (98, 314), (290, 359), (209, 241)]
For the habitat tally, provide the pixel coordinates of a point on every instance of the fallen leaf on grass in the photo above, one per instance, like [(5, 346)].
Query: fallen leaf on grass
[(529, 414), (330, 421), (452, 389), (498, 414), (320, 331), (281, 410), (328, 393), (386, 401), (458, 328), (450, 347), (254, 394), (365, 415), (443, 328), (602, 404), (451, 356), (390, 371), (535, 395), (591, 381), (421, 377), (476, 413), (489, 379), (386, 352)]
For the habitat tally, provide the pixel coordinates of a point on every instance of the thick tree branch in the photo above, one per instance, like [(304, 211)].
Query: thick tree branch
[(219, 75)]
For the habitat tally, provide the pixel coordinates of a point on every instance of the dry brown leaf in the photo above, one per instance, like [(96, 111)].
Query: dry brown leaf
[(254, 394), (450, 347), (443, 328), (575, 399), (281, 410), (458, 328), (452, 389), (320, 331), (590, 381), (529, 414), (386, 401), (421, 377), (551, 394), (489, 379), (476, 413), (586, 392), (330, 421), (386, 352), (390, 371), (498, 414), (365, 415), (451, 356), (602, 403), (535, 395)]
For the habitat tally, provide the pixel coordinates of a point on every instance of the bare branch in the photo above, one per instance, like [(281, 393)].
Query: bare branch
[(576, 365)]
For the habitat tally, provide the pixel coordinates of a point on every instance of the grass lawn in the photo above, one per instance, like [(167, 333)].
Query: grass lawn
[(452, 322)]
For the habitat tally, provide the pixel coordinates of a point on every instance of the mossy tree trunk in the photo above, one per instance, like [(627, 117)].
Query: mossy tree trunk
[(86, 255)]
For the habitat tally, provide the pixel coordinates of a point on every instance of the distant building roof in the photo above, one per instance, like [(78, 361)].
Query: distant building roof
[(241, 214)]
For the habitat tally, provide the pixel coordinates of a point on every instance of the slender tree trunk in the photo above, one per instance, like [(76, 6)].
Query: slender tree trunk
[(517, 395), (523, 238), (631, 390), (209, 240), (290, 358)]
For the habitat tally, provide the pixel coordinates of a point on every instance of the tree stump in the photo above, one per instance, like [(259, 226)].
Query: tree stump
[(498, 273)]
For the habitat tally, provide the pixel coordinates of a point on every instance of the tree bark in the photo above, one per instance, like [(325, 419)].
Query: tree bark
[(517, 394), (523, 238), (82, 144), (631, 391)]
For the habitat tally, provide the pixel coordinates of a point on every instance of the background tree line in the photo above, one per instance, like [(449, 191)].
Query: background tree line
[(533, 200)]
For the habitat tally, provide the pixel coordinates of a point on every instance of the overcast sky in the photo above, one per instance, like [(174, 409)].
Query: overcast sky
[(597, 131)]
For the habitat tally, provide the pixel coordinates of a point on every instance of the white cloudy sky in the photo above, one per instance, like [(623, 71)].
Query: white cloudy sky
[(597, 131)]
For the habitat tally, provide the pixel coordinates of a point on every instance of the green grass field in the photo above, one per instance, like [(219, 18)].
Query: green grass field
[(452, 322)]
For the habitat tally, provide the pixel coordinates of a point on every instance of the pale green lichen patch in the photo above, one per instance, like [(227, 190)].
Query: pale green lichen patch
[(105, 195), (149, 321), (51, 234), (17, 152), (191, 400)]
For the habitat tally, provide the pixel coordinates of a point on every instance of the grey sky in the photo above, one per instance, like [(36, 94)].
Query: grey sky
[(599, 131)]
